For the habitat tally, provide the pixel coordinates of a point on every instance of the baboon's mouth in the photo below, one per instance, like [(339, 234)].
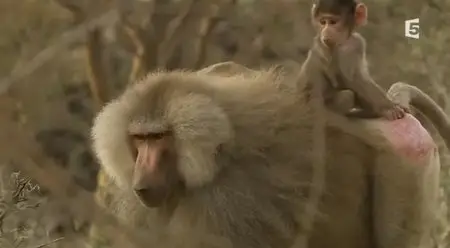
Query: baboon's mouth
[(152, 197)]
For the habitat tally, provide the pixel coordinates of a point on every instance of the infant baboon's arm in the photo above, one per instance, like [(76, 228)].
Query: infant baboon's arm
[(353, 73)]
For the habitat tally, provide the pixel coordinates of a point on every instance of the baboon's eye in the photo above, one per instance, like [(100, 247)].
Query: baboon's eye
[(156, 136), (150, 136), (139, 137)]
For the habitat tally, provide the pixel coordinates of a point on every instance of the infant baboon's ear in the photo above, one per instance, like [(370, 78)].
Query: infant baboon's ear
[(361, 14)]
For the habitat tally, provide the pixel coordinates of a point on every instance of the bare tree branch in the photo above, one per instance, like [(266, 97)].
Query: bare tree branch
[(142, 37), (66, 39), (207, 25), (171, 39), (145, 56), (97, 72), (96, 66), (73, 7)]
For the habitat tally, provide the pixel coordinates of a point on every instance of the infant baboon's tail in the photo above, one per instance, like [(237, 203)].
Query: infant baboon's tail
[(409, 95)]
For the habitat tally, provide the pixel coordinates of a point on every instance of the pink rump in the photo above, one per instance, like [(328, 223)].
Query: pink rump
[(408, 137)]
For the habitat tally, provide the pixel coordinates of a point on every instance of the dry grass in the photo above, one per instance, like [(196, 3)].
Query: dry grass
[(19, 198)]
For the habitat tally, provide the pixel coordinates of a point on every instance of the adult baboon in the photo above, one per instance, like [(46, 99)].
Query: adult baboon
[(205, 160), (228, 68)]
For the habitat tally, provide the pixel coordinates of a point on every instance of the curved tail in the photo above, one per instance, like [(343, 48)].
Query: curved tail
[(409, 95)]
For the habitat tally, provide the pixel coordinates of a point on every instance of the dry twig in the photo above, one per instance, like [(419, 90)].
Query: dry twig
[(49, 243)]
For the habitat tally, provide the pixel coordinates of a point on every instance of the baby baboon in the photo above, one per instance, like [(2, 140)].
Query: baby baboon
[(200, 155), (337, 61)]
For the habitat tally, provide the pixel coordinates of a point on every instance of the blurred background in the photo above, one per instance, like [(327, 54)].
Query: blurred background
[(61, 60)]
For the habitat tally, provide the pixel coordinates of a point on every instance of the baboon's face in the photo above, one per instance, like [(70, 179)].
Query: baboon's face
[(174, 137), (155, 174), (161, 137)]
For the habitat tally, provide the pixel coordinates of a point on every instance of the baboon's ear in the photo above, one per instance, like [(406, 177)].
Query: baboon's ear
[(313, 11), (313, 14), (361, 14)]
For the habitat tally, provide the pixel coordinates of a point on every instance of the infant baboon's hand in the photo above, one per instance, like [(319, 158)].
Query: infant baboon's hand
[(405, 108), (395, 112)]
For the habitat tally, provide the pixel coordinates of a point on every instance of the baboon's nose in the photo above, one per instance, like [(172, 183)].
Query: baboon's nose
[(151, 196), (328, 42), (143, 192)]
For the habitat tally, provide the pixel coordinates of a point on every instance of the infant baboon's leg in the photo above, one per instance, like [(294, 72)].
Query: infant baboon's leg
[(343, 101)]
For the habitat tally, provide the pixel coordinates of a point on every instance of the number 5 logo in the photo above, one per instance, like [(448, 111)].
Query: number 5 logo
[(412, 28)]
